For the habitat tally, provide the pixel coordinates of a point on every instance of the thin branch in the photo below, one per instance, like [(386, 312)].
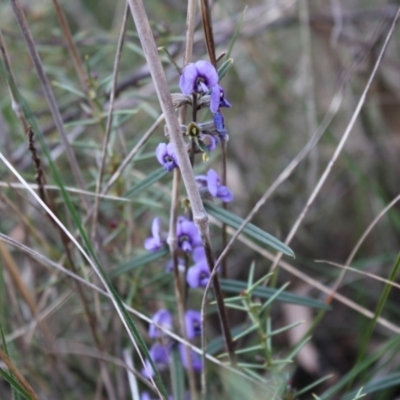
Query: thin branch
[(109, 118)]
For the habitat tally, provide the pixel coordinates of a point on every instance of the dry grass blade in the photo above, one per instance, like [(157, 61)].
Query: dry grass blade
[(10, 365)]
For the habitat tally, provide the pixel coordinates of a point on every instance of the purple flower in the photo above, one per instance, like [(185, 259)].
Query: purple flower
[(211, 184), (192, 323), (188, 236), (201, 77), (155, 242), (159, 355), (161, 317), (198, 275), (166, 156), (197, 365)]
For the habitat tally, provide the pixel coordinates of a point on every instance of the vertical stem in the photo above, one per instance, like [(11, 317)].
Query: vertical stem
[(225, 206), (200, 217)]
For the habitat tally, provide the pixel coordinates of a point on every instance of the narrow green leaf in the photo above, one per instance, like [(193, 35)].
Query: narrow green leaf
[(236, 33), (314, 384), (387, 382), (233, 286), (178, 375), (14, 384), (137, 261), (146, 182), (69, 88), (224, 68), (250, 230)]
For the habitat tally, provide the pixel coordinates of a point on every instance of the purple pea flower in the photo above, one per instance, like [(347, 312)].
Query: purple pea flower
[(192, 323), (197, 365), (211, 184), (166, 156), (155, 242), (198, 275), (159, 355), (188, 236), (161, 317), (201, 77)]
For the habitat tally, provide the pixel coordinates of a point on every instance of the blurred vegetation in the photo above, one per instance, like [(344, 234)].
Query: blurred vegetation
[(290, 61)]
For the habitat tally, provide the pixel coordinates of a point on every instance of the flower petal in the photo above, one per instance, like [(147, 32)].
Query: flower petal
[(162, 317), (161, 152), (224, 194), (215, 96), (213, 182), (207, 71), (156, 228), (187, 81), (193, 323)]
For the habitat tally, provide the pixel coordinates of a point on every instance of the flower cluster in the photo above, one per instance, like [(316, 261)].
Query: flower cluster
[(189, 243), (199, 83), (199, 80), (160, 352)]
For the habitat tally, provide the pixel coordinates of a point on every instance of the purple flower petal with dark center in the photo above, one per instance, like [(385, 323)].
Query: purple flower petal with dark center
[(199, 77), (159, 355), (161, 317), (166, 156), (187, 235), (197, 365), (192, 323), (198, 275), (216, 189), (154, 242)]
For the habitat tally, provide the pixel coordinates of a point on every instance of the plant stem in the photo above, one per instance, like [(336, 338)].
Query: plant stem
[(200, 217)]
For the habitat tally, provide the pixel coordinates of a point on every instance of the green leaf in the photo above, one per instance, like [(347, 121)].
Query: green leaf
[(14, 384), (137, 261), (224, 68), (236, 34), (146, 182), (233, 286), (250, 230), (178, 375), (387, 382)]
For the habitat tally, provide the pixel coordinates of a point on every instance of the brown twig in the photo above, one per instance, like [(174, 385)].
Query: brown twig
[(18, 375)]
